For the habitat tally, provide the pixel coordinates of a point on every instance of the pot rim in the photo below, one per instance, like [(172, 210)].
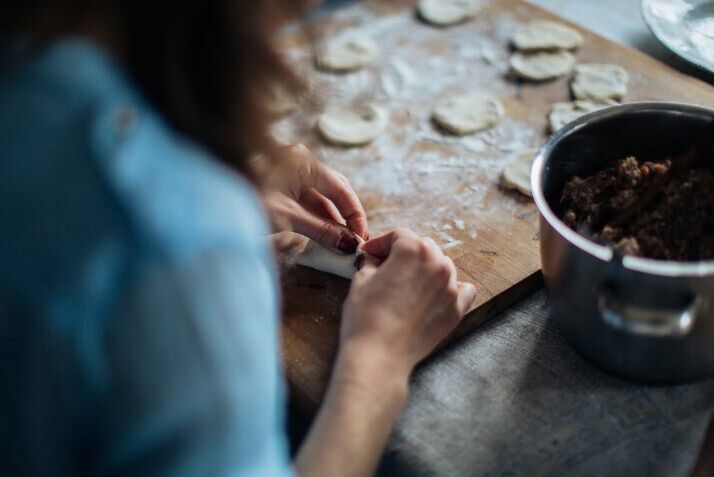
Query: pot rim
[(646, 265)]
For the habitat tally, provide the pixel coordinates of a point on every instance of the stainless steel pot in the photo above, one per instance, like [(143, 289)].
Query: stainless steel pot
[(642, 319)]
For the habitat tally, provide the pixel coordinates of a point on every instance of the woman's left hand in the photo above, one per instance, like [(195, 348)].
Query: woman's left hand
[(309, 198)]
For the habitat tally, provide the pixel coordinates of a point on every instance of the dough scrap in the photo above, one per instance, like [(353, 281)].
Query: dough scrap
[(599, 81), (546, 35), (516, 174), (447, 12), (468, 113), (564, 112), (347, 54), (320, 258), (542, 65), (352, 126)]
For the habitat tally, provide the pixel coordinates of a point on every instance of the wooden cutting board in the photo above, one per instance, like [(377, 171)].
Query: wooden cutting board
[(418, 177)]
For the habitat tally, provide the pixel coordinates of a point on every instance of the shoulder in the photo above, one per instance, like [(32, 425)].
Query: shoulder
[(96, 178), (72, 111), (135, 247), (175, 194)]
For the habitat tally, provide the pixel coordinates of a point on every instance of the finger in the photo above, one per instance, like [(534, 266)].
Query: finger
[(364, 260), (434, 249), (340, 192), (438, 254), (327, 233), (452, 314), (366, 265), (466, 297), (311, 173), (452, 267), (381, 245), (320, 205)]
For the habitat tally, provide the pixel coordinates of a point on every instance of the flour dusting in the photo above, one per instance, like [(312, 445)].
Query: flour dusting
[(415, 175)]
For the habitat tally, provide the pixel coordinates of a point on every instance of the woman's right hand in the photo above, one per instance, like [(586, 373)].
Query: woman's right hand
[(403, 301), (399, 310)]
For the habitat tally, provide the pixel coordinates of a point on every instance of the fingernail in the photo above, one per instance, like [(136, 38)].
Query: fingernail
[(348, 243), (359, 261)]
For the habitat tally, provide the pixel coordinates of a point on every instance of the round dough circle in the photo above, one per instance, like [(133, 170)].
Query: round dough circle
[(599, 81), (347, 54), (465, 114), (351, 126), (546, 35), (542, 65), (516, 174), (448, 12), (564, 112)]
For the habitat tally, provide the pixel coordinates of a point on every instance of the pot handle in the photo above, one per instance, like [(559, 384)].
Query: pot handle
[(662, 321)]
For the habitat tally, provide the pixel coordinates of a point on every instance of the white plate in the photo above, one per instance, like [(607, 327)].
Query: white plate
[(684, 26)]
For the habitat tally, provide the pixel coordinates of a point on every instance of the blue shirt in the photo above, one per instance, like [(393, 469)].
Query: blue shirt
[(138, 298)]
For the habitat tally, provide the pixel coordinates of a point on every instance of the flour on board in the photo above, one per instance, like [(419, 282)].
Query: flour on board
[(413, 175)]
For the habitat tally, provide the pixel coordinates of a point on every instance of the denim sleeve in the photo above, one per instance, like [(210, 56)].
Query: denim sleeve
[(193, 383)]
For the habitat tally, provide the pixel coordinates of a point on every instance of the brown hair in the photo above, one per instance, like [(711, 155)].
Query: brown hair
[(203, 63)]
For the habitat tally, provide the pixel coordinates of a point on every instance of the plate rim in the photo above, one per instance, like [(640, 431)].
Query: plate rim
[(653, 29)]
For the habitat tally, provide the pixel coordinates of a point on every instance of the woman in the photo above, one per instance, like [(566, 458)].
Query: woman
[(138, 297)]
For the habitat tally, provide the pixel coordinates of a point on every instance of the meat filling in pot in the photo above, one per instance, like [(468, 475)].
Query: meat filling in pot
[(678, 224)]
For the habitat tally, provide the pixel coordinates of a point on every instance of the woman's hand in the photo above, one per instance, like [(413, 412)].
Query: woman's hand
[(309, 198), (400, 310), (397, 311)]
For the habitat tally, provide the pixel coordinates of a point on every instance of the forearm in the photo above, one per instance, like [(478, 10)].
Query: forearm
[(351, 429)]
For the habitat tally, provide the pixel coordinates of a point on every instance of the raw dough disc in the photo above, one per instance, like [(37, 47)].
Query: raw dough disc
[(516, 174), (563, 113), (318, 257), (599, 81), (546, 35), (542, 65), (448, 12), (467, 113), (347, 54), (351, 126)]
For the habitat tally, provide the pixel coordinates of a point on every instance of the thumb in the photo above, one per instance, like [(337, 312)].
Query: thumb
[(327, 233), (381, 245)]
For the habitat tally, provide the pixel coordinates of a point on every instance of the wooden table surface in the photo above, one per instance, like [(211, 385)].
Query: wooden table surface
[(512, 398)]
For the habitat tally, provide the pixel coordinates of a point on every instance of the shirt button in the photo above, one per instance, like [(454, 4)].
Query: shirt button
[(124, 120)]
